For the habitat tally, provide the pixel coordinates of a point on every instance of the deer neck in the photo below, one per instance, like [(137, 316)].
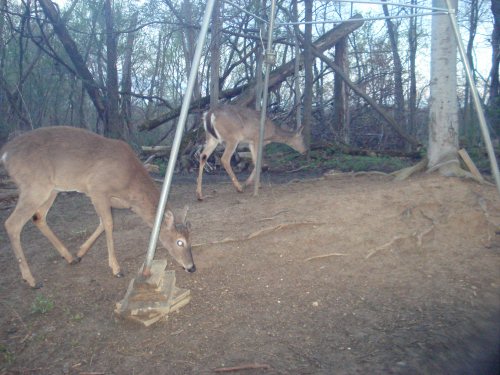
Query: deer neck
[(279, 135), (144, 199)]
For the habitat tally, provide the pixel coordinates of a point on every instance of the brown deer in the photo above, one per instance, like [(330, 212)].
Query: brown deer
[(231, 125), (48, 160)]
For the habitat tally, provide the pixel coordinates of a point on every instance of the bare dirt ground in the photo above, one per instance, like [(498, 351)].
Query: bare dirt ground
[(406, 280)]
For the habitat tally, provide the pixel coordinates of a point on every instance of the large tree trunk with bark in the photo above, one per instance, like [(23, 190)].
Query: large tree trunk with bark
[(443, 123)]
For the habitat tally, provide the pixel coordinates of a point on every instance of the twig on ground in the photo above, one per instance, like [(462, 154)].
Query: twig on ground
[(482, 203), (382, 247), (325, 256), (260, 232), (369, 173), (298, 169), (417, 235), (249, 366), (273, 216), (14, 311)]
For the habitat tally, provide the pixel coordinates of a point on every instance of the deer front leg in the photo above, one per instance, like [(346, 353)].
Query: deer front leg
[(90, 241), (226, 162), (209, 148), (253, 152), (103, 209)]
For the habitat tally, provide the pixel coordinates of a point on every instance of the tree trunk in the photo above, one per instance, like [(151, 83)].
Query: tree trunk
[(494, 101), (412, 95), (113, 126), (127, 73), (308, 75), (469, 123), (259, 75), (399, 99), (190, 43), (341, 103), (215, 54), (443, 123)]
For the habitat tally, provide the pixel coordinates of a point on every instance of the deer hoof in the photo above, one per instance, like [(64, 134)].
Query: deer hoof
[(119, 275), (75, 261), (37, 285)]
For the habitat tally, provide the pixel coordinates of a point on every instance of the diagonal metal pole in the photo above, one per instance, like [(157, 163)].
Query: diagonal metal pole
[(269, 60), (146, 271), (475, 97)]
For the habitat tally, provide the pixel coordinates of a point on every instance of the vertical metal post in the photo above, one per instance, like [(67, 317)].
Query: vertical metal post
[(475, 97), (177, 139), (269, 60)]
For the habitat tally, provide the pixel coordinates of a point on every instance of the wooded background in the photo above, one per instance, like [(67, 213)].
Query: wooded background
[(120, 67)]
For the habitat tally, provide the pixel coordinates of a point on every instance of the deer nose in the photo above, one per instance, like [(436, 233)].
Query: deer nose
[(191, 269)]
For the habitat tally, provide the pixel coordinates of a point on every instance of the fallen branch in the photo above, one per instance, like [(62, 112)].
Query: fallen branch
[(249, 366), (482, 204), (384, 246)]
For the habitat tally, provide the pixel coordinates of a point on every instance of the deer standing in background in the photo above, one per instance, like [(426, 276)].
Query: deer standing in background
[(231, 125), (48, 160)]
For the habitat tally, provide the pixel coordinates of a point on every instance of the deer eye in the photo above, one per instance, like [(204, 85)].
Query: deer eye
[(180, 243)]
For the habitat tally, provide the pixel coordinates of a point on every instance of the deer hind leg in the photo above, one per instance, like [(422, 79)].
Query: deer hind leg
[(226, 162), (27, 205), (40, 220), (103, 209), (209, 148)]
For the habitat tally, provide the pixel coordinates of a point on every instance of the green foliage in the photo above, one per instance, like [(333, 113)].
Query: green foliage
[(6, 356), (328, 158), (42, 305)]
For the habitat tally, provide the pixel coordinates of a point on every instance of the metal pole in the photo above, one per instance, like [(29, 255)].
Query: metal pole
[(177, 139), (269, 59), (475, 97)]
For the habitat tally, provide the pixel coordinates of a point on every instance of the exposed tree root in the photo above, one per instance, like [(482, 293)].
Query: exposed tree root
[(405, 173)]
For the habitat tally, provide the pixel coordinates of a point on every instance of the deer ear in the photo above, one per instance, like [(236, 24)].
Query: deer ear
[(183, 214), (169, 219)]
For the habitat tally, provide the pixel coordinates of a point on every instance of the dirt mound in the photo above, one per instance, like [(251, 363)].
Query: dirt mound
[(345, 274)]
